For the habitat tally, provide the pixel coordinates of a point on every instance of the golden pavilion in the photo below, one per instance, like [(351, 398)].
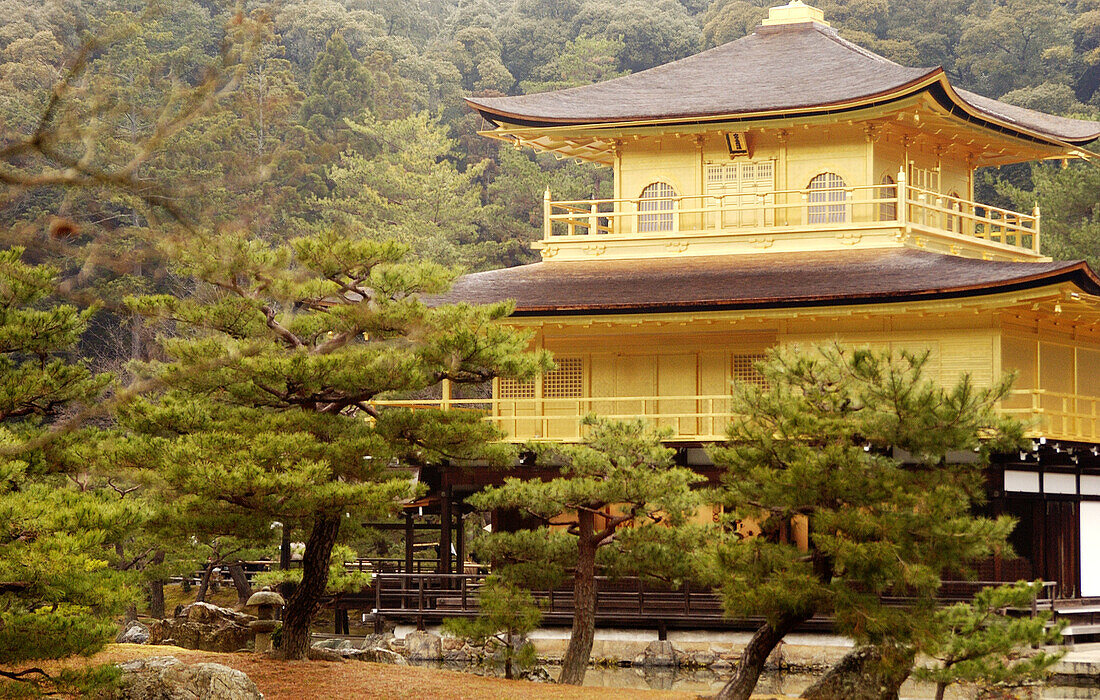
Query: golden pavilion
[(791, 187)]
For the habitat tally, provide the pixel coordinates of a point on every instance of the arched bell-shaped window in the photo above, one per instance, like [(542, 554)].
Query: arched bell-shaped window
[(888, 211), (655, 208), (827, 199)]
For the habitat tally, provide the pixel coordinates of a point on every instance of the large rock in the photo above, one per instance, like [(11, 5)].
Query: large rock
[(168, 678), (660, 654), (133, 633), (377, 641), (378, 656), (865, 673), (204, 626), (423, 646)]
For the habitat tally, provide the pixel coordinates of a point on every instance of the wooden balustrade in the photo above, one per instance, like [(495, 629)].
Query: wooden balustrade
[(704, 418), (886, 205), (625, 601)]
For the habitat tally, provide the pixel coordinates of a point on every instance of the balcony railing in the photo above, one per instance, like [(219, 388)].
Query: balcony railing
[(1054, 414), (704, 418), (882, 206)]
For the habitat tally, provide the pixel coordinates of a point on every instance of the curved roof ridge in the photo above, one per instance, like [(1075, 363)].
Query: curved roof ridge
[(788, 68), (852, 46)]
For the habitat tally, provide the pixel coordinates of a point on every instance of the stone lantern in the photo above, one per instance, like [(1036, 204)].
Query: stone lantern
[(265, 602)]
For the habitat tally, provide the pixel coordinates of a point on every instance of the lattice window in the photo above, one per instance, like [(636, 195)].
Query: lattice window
[(923, 178), (517, 388), (721, 175), (656, 197), (827, 187), (752, 175), (565, 382), (765, 171), (745, 371)]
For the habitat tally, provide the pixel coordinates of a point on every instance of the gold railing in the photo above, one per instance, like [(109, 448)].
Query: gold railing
[(940, 212), (704, 417), (887, 205), (1056, 414)]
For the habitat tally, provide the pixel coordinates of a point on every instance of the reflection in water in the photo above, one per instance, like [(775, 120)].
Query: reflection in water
[(782, 684), (705, 681)]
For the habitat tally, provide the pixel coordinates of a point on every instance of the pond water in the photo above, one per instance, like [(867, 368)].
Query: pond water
[(783, 684)]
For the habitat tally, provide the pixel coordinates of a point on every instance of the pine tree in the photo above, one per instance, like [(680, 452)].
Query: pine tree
[(266, 410), (622, 498), (883, 468), (57, 592), (506, 614), (983, 642)]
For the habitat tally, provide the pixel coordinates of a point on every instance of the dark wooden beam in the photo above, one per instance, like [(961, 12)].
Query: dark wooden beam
[(446, 522), (410, 536)]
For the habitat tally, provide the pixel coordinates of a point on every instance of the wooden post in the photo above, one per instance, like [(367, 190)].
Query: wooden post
[(410, 540), (546, 213), (445, 403), (460, 541), (445, 517), (593, 220), (903, 202), (1035, 237)]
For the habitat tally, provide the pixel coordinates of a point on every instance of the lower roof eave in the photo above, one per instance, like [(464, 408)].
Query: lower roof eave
[(1080, 277)]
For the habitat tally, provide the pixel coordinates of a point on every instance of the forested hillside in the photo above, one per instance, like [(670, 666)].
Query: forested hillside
[(350, 113)]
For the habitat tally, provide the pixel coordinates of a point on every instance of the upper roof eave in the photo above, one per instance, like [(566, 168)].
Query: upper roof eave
[(880, 80), (495, 115), (936, 77)]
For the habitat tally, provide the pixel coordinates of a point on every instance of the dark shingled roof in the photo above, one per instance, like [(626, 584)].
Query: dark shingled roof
[(755, 281), (785, 67)]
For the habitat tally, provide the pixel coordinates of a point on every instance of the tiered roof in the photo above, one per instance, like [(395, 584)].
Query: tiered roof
[(788, 69)]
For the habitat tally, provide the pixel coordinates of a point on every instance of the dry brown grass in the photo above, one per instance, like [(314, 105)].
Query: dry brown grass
[(294, 680)]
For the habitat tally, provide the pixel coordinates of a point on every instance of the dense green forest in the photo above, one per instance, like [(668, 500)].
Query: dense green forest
[(351, 113)]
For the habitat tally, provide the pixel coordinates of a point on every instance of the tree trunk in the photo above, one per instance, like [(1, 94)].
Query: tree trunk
[(865, 673), (941, 688), (509, 650), (156, 589), (575, 663), (156, 599), (204, 582), (240, 582), (306, 599), (754, 657)]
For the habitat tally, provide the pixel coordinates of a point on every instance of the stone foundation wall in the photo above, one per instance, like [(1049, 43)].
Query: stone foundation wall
[(686, 648)]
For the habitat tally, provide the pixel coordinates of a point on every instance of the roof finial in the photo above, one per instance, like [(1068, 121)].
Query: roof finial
[(794, 12)]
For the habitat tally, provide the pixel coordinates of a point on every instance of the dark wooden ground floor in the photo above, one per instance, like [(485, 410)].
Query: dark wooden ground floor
[(1052, 490)]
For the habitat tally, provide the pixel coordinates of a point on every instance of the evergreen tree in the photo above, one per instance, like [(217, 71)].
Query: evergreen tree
[(983, 642), (506, 613), (266, 411), (868, 453), (399, 185), (57, 592), (622, 499)]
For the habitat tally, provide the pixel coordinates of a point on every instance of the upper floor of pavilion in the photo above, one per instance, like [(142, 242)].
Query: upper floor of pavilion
[(789, 139)]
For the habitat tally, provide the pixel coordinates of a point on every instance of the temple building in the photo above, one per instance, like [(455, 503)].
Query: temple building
[(791, 187)]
